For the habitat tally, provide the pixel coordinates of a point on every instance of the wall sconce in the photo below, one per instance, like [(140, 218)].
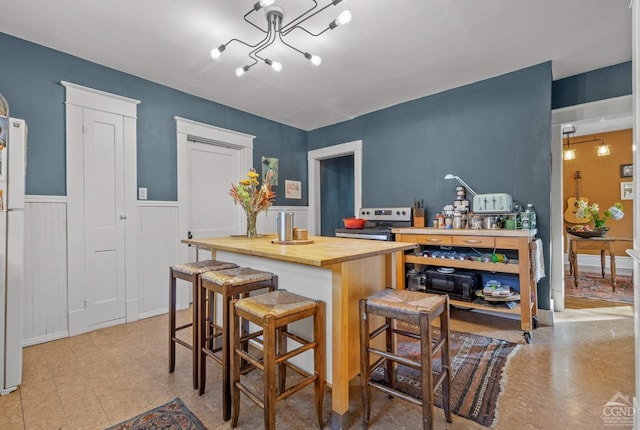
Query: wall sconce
[(603, 150), (457, 178)]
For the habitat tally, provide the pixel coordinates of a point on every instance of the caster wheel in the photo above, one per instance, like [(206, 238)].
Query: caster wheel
[(535, 322), (527, 337)]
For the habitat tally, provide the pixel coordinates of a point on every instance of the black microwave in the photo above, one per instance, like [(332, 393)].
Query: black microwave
[(459, 285)]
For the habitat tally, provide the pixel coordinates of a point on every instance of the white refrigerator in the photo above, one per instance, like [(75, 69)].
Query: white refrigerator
[(13, 163)]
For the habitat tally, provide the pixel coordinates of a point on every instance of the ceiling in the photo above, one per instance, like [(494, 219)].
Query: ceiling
[(391, 52)]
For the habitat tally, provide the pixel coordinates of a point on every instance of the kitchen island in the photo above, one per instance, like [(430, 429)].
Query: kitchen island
[(336, 270)]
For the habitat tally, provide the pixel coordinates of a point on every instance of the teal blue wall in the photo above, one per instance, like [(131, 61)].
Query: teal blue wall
[(494, 134), (30, 78), (600, 84)]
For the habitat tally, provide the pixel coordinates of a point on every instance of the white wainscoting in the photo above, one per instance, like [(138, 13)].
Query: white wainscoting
[(44, 297), (158, 243), (45, 305)]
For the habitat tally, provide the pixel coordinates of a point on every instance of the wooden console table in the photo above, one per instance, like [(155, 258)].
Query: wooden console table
[(602, 244), (519, 241)]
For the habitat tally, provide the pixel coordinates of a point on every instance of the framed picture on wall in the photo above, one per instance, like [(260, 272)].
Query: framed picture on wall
[(626, 190), (626, 170)]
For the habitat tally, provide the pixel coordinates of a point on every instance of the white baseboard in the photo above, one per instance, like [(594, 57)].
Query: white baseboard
[(45, 338)]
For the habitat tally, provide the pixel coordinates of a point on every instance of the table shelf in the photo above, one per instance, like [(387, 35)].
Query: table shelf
[(519, 241)]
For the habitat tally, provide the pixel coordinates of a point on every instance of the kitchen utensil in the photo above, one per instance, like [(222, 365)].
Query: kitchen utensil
[(353, 222), (284, 225)]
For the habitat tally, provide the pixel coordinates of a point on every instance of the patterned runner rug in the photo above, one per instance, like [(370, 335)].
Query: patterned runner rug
[(594, 286), (477, 366), (173, 415)]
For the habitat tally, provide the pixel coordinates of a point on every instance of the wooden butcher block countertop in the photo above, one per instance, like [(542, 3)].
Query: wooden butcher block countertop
[(324, 251)]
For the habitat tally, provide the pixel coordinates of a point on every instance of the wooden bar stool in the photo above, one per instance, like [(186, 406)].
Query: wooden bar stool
[(412, 307), (273, 312), (214, 336), (189, 272)]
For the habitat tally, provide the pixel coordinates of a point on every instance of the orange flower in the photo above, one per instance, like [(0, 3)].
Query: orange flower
[(252, 196)]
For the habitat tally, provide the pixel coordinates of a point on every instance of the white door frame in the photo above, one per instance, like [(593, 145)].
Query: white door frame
[(187, 129), (594, 111), (77, 99), (314, 158)]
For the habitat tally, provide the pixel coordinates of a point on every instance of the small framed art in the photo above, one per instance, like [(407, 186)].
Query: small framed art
[(626, 170)]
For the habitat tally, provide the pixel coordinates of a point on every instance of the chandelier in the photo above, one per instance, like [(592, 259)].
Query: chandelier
[(278, 30)]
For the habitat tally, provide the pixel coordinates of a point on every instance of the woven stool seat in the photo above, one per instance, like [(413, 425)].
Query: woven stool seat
[(213, 337), (273, 312), (200, 267), (404, 304), (417, 308), (189, 272), (237, 276), (277, 304)]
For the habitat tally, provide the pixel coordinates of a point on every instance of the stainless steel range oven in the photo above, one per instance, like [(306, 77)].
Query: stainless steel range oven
[(379, 222)]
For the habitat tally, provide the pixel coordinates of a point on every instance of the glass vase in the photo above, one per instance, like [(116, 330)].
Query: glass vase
[(598, 224), (251, 224)]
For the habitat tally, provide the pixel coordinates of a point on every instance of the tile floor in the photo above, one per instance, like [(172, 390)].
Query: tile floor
[(94, 380)]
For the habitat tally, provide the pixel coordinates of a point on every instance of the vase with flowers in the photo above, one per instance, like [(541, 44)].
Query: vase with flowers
[(592, 212), (253, 197)]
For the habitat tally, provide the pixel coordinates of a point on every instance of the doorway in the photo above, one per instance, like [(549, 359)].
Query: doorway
[(336, 193), (315, 198), (209, 159), (595, 117)]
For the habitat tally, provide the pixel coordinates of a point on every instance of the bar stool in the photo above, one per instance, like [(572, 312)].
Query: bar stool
[(273, 312), (189, 272), (416, 308), (230, 283)]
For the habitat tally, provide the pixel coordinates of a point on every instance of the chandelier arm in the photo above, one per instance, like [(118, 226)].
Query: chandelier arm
[(255, 25), (303, 16), (290, 46), (307, 31), (245, 43), (267, 41)]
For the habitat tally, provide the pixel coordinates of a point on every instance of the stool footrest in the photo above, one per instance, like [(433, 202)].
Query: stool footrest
[(437, 346), (250, 358), (397, 358), (257, 400), (395, 393), (284, 357), (440, 377), (181, 342), (295, 388), (184, 326)]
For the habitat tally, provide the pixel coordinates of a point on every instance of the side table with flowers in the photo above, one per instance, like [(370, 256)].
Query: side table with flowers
[(592, 212), (253, 197)]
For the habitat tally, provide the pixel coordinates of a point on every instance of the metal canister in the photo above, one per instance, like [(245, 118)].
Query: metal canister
[(457, 220), (476, 222)]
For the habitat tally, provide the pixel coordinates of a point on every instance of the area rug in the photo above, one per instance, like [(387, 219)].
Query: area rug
[(173, 415), (594, 286), (477, 366)]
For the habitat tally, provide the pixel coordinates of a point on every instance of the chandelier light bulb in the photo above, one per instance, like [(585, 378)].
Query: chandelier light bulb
[(263, 3), (241, 70), (315, 60), (343, 18), (569, 154), (215, 53), (276, 66)]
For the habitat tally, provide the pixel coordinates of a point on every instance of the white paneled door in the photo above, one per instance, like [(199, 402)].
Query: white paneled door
[(211, 170), (104, 216)]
